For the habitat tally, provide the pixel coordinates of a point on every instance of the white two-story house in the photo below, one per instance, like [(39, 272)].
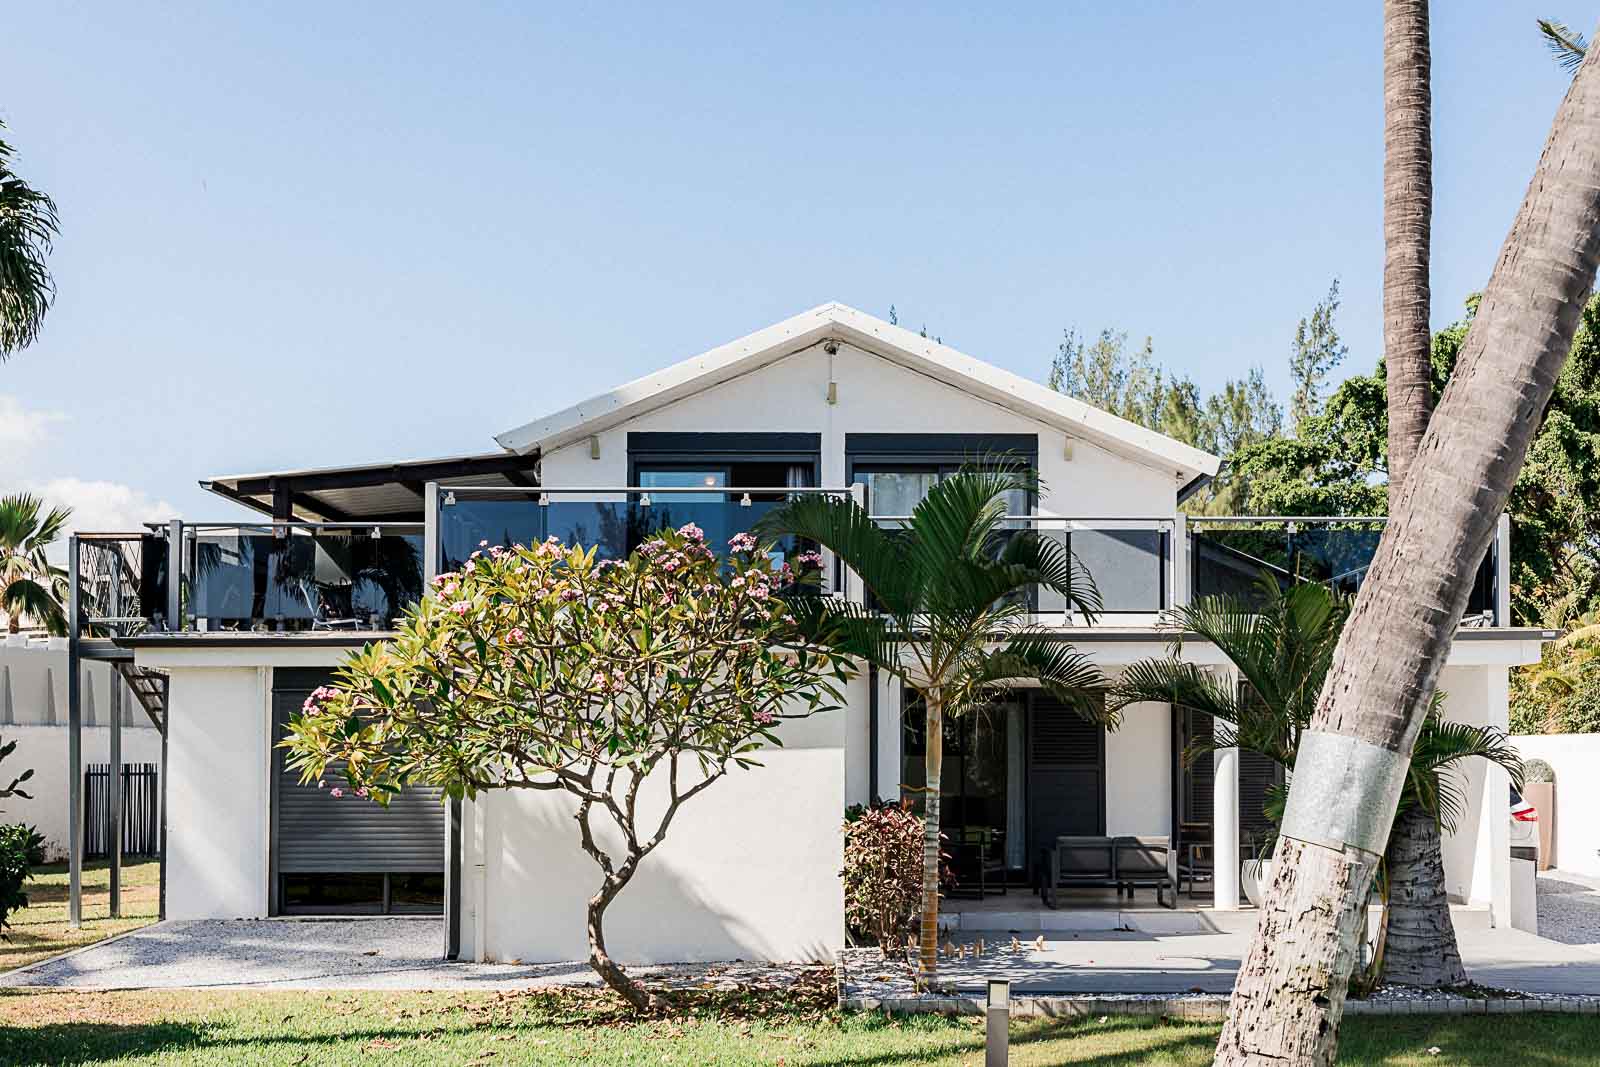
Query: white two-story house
[(829, 400)]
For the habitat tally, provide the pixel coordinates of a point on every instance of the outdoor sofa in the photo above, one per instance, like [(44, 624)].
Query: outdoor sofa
[(1124, 863)]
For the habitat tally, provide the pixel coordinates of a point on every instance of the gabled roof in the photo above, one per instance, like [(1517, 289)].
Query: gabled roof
[(894, 343)]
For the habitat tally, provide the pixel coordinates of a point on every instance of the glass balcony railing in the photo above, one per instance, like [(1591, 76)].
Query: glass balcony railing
[(614, 521), (1229, 555), (304, 577), (290, 577), (1129, 560)]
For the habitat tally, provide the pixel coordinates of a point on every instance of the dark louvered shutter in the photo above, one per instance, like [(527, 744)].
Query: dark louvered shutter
[(318, 834), (1066, 774)]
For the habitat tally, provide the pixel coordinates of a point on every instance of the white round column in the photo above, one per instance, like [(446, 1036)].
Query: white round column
[(1225, 829)]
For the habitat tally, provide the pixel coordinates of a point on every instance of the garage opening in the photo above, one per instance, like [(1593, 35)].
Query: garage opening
[(346, 855)]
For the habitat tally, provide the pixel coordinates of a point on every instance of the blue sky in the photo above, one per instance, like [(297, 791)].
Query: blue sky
[(316, 234)]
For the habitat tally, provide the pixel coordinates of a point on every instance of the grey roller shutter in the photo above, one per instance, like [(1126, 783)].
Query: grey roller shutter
[(318, 834)]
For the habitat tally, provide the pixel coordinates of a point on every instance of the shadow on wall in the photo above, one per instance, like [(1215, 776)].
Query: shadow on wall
[(679, 908)]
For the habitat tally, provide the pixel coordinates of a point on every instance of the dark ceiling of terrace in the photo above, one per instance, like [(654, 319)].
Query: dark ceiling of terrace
[(371, 492)]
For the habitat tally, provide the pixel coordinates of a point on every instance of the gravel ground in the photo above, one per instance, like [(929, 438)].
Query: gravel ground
[(1569, 908), (387, 953)]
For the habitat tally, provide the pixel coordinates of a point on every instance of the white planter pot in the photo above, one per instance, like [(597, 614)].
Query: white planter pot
[(1254, 875)]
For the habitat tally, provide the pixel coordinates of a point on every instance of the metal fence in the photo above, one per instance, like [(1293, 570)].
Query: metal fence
[(141, 810)]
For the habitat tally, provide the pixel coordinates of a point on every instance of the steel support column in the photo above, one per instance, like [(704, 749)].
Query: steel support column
[(74, 738)]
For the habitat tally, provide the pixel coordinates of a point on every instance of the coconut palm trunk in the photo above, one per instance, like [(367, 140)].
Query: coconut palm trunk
[(1407, 226), (1289, 996), (1420, 940)]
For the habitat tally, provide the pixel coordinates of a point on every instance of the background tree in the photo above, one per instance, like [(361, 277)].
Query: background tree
[(948, 617), (1289, 996), (28, 228), (540, 668), (1109, 375), (1316, 353), (30, 585)]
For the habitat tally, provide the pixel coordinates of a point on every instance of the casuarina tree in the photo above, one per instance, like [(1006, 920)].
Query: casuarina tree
[(542, 668), (948, 616), (1353, 759)]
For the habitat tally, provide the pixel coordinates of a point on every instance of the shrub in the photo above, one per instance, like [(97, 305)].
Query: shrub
[(1537, 770), (882, 874), (14, 868)]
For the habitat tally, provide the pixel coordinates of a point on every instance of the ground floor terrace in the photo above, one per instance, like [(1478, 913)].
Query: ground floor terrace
[(750, 870)]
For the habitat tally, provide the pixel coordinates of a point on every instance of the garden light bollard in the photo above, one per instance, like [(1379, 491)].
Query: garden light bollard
[(997, 1044)]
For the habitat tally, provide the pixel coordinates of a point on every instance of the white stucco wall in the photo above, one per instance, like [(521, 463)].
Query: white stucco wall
[(1139, 772), (874, 396), (34, 676), (1477, 855), (217, 792), (1576, 760), (748, 870)]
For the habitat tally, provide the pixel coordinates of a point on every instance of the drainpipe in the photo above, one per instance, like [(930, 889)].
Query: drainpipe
[(480, 867), (872, 734)]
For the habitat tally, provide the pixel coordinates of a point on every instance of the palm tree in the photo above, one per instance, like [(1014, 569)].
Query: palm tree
[(28, 228), (1289, 996), (1414, 860), (1407, 229), (1566, 44), (29, 583), (1282, 646), (948, 616)]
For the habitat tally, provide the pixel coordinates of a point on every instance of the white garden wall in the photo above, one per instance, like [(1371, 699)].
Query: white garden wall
[(33, 713), (1576, 759), (749, 869)]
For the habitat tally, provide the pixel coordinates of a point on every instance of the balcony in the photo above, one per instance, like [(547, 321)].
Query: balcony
[(304, 578), (613, 521), (282, 577)]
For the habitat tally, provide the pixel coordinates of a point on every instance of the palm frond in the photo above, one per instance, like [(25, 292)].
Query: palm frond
[(1047, 563), (845, 530), (1565, 44), (28, 228), (1038, 656), (849, 628), (960, 514)]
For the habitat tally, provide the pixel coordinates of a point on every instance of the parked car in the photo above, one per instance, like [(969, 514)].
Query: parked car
[(1524, 822)]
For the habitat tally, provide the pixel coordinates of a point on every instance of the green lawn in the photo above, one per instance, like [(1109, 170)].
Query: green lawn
[(41, 929), (378, 1029)]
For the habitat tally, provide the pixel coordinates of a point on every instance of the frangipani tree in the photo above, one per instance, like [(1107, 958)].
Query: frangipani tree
[(948, 616), (544, 668)]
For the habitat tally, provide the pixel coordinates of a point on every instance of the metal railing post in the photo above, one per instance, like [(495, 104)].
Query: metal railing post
[(1502, 571), (452, 822), (858, 496), (1181, 591), (114, 815), (175, 575), (74, 738)]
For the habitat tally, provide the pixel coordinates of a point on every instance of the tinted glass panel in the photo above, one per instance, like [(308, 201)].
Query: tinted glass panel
[(615, 528), (252, 579)]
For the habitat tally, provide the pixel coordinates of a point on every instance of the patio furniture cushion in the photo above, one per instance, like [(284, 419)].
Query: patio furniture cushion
[(1078, 861), (1147, 862)]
